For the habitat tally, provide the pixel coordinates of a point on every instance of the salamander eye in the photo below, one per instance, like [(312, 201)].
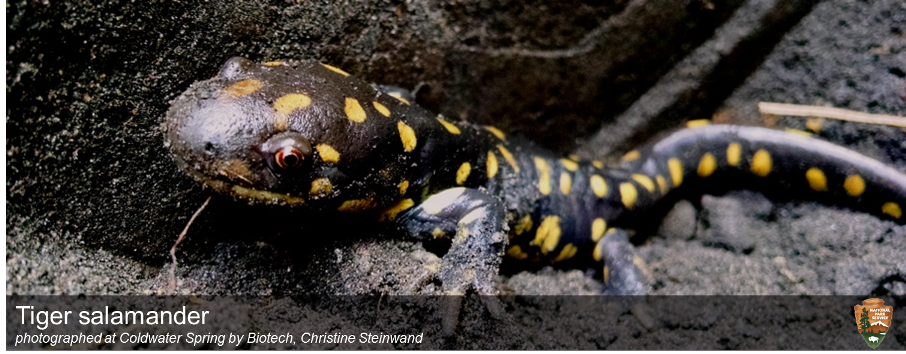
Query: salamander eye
[(286, 151), (289, 158)]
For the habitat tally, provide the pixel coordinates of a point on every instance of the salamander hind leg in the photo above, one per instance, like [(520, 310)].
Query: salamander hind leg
[(474, 222), (622, 270)]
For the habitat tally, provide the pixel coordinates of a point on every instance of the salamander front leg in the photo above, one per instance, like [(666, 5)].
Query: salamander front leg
[(622, 269), (399, 93), (474, 222)]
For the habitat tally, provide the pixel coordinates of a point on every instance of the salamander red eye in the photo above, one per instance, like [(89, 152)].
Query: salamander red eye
[(287, 151), (289, 158)]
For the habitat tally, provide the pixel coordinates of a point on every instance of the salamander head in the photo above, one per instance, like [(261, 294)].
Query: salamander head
[(284, 133)]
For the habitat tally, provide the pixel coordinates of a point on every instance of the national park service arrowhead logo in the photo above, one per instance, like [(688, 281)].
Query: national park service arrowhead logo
[(873, 320)]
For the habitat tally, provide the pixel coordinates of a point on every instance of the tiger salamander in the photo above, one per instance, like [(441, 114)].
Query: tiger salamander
[(310, 135)]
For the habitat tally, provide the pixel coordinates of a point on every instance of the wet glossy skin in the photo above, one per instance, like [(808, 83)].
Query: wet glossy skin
[(311, 135), (225, 132)]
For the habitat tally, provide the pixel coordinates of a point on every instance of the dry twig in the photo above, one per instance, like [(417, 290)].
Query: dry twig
[(785, 109), (182, 235)]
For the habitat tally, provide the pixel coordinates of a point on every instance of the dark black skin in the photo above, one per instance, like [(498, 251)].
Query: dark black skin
[(230, 136)]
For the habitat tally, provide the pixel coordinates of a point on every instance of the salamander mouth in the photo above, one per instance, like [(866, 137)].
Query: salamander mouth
[(255, 194), (236, 190)]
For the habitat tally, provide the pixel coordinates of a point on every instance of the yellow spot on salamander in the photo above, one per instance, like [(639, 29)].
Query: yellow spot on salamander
[(761, 163), (644, 181), (642, 266), (407, 135), (354, 110), (628, 194), (814, 124), (285, 105), (492, 164), (854, 185), (797, 131), (288, 103), (281, 122), (569, 164), (548, 234), (399, 97), (357, 205), (734, 154), (265, 195), (335, 69), (438, 233), (390, 213), (573, 157), (661, 183), (676, 171), (598, 185), (404, 186), (462, 174), (320, 187), (892, 209), (816, 179), (328, 153), (631, 156), (606, 272), (567, 252), (566, 183), (449, 126), (243, 88), (436, 203), (707, 165), (598, 253), (272, 63), (523, 225), (515, 252), (597, 229), (597, 164), (382, 109), (697, 123), (499, 134), (508, 157), (544, 176)]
